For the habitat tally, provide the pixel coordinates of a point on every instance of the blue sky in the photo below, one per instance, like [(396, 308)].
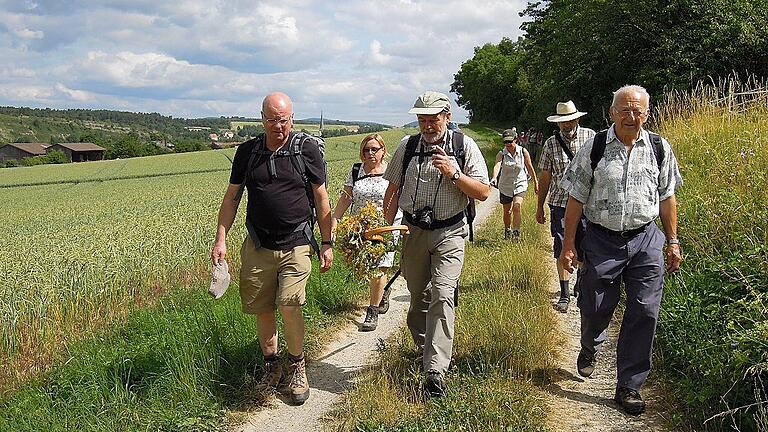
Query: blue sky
[(355, 60)]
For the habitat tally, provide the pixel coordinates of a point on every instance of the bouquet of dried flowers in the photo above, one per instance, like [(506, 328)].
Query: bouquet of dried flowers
[(361, 254)]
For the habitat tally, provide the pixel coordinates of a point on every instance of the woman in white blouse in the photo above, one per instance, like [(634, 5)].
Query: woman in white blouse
[(364, 183), (510, 175)]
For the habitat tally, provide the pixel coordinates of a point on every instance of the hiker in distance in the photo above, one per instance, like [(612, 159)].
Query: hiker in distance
[(365, 183), (431, 178), (510, 175), (622, 180), (284, 174), (558, 151)]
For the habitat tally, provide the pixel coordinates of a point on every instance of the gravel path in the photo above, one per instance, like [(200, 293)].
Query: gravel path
[(586, 404), (334, 371)]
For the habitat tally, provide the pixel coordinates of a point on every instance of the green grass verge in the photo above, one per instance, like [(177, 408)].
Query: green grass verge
[(181, 365), (505, 340)]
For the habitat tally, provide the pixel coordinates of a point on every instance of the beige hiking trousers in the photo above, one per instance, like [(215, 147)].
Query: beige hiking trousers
[(431, 264)]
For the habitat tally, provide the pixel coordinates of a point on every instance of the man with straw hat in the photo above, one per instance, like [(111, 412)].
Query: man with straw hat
[(558, 151)]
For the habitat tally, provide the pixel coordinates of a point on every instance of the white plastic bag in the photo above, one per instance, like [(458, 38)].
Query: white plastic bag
[(219, 280)]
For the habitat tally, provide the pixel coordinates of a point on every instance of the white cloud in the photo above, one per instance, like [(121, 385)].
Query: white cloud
[(355, 59)]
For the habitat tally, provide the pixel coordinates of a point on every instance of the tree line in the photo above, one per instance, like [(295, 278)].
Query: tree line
[(583, 50)]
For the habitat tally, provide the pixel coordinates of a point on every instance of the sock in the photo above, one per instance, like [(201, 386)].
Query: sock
[(564, 293), (272, 358), (295, 359)]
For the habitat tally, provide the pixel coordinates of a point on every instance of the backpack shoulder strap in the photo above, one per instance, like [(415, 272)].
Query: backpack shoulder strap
[(565, 148), (658, 148), (458, 149), (256, 151), (356, 171), (598, 148), (410, 151)]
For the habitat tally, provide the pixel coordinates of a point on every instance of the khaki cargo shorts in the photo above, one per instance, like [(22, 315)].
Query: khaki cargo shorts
[(270, 278)]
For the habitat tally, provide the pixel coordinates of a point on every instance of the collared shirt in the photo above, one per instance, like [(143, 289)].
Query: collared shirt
[(627, 187), (434, 189), (556, 161)]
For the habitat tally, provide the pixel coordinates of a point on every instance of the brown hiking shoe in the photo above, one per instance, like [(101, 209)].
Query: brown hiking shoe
[(299, 386), (273, 374), (371, 319)]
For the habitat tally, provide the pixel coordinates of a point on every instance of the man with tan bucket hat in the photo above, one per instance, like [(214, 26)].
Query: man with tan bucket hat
[(558, 151), (431, 177)]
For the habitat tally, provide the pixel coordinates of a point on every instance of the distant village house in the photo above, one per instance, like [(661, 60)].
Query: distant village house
[(80, 152), (19, 151)]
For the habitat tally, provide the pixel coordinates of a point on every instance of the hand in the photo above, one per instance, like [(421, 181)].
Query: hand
[(443, 162), (494, 183), (326, 258), (673, 258), (567, 258), (219, 252), (536, 188), (334, 224), (540, 216)]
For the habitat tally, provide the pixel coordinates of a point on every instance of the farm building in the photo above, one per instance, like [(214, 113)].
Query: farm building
[(80, 152), (19, 151)]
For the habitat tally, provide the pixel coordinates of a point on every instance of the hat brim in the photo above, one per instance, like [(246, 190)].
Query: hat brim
[(427, 111), (509, 139), (565, 118)]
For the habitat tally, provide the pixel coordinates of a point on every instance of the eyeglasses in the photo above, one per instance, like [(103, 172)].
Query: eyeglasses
[(372, 150), (637, 113), (279, 121)]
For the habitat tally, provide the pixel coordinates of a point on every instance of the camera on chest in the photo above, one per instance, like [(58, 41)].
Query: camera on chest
[(424, 217)]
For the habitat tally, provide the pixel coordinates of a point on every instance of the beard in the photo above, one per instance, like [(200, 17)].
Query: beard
[(433, 137)]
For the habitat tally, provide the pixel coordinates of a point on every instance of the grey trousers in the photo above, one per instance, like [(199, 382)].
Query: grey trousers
[(639, 263), (431, 264)]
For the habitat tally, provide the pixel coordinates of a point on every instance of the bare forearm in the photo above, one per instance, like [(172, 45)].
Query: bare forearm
[(668, 214), (341, 206), (544, 182), (227, 213), (473, 188), (323, 208), (391, 202)]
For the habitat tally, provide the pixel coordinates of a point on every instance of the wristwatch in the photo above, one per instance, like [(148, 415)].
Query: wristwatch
[(455, 176), (327, 242), (673, 241)]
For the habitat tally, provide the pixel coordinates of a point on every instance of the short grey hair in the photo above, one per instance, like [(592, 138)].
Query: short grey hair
[(631, 89)]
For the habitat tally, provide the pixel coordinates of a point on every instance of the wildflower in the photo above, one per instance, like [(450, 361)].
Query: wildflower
[(363, 255)]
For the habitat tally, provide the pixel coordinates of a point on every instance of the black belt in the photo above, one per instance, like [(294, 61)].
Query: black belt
[(436, 224), (623, 234)]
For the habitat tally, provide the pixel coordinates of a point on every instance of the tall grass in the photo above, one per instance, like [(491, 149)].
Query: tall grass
[(80, 257), (505, 338), (713, 329)]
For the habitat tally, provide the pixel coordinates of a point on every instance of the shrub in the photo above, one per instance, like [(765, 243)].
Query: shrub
[(713, 327)]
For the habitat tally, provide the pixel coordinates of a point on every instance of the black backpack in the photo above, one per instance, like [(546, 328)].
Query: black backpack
[(461, 157), (294, 149), (599, 142), (356, 173)]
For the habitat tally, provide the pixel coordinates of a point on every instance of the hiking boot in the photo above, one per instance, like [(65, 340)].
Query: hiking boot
[(630, 400), (434, 386), (562, 304), (273, 374), (507, 233), (585, 363), (515, 234), (384, 303), (371, 319), (299, 386)]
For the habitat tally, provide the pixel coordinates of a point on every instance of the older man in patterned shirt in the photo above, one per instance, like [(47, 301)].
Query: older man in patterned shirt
[(559, 149), (622, 181)]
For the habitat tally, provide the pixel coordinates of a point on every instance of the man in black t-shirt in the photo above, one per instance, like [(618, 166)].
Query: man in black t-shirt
[(276, 263)]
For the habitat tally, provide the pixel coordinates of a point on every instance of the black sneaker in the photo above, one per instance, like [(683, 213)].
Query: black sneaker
[(630, 400), (507, 233), (562, 304), (434, 386), (585, 363), (371, 319), (384, 303)]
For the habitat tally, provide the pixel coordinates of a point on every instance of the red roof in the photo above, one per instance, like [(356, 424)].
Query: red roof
[(81, 146), (32, 148)]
